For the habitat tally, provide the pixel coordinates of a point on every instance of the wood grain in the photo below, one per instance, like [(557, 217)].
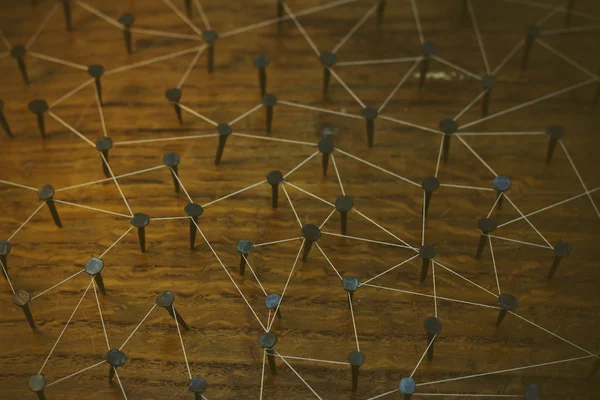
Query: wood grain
[(222, 345)]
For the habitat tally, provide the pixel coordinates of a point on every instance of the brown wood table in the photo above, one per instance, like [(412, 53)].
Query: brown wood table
[(222, 345)]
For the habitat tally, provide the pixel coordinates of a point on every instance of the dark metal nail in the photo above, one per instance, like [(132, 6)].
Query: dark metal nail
[(429, 185), (188, 8), (5, 248), (433, 326), (171, 160), (93, 267), (344, 204), (449, 127), (427, 253), (569, 10), (244, 247), (501, 184), (272, 301), (140, 221), (127, 20), (555, 133), (210, 37), (380, 10), (350, 284), (532, 392), (328, 60), (561, 250), (326, 148), (194, 211), (18, 52), (22, 298), (39, 107), (531, 32), (274, 178), (166, 300), (224, 131), (280, 15), (407, 387), (4, 122), (489, 81), (355, 359), (174, 95), (96, 71), (37, 383), (428, 49), (507, 302), (103, 145), (269, 101), (311, 233), (67, 12), (486, 226), (370, 115), (46, 193), (198, 386), (267, 341), (115, 359), (261, 63)]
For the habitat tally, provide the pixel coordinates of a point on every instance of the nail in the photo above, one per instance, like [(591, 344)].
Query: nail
[(449, 127), (489, 81), (555, 133), (188, 8), (570, 6), (224, 131), (174, 95), (127, 20), (280, 15), (407, 387), (18, 52), (532, 392), (198, 386), (507, 302), (328, 60), (46, 193), (427, 253), (561, 250), (166, 300), (487, 226), (244, 247), (429, 185), (370, 115), (501, 184), (93, 267), (344, 204), (193, 210), (140, 221), (67, 11), (311, 233), (210, 37), (267, 341), (531, 32), (21, 298), (380, 10), (103, 145), (5, 248), (326, 148), (261, 62), (39, 107), (433, 326), (428, 50), (96, 71), (115, 358), (274, 178), (171, 160), (37, 383), (269, 101), (272, 301), (350, 284), (594, 370), (356, 359), (4, 122)]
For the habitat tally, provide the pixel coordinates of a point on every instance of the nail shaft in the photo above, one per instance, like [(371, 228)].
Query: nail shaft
[(380, 10), (67, 12)]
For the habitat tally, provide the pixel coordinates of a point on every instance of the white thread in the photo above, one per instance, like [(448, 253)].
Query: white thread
[(567, 59), (308, 193), (417, 20), (234, 193), (341, 82), (327, 219), (187, 364), (120, 384), (500, 133), (76, 373), (42, 25), (301, 164), (466, 279), (69, 127), (383, 229), (404, 78), (383, 395), (478, 35), (26, 221), (367, 240), (476, 155), (99, 14), (109, 179), (353, 322), (202, 14), (71, 93), (246, 114), (578, 176), (298, 375), (338, 174), (253, 273), (434, 290), (398, 121), (165, 34), (508, 57), (116, 182), (58, 284), (456, 67), (520, 241), (291, 205), (7, 278), (91, 208), (210, 121), (329, 261), (379, 168), (100, 312), (277, 241), (381, 61), (355, 28), (495, 202), (181, 184), (151, 61), (58, 61), (568, 30), (191, 66), (117, 241), (262, 377), (526, 219), (301, 29), (183, 17), (494, 263), (289, 103), (313, 359), (423, 356), (166, 139), (388, 270), (466, 187), (468, 107), (137, 327)]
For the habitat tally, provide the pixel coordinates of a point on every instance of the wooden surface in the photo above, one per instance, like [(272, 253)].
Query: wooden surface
[(222, 346)]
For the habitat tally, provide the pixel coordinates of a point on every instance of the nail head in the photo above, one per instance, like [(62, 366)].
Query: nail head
[(501, 183), (369, 113), (489, 81), (104, 144), (429, 48), (96, 70), (116, 358), (261, 61), (173, 94), (94, 266), (45, 192), (224, 129), (344, 203), (432, 325), (328, 59), (448, 126), (532, 392), (555, 132), (275, 177), (269, 100), (350, 283), (140, 220), (193, 210), (37, 383), (198, 385), (267, 340), (5, 247), (427, 252), (430, 184), (508, 302), (171, 159), (562, 249), (126, 19), (18, 51), (38, 106), (21, 297), (325, 146), (165, 299), (311, 232), (532, 30), (487, 225), (356, 358), (272, 301), (210, 35), (407, 386), (244, 247)]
